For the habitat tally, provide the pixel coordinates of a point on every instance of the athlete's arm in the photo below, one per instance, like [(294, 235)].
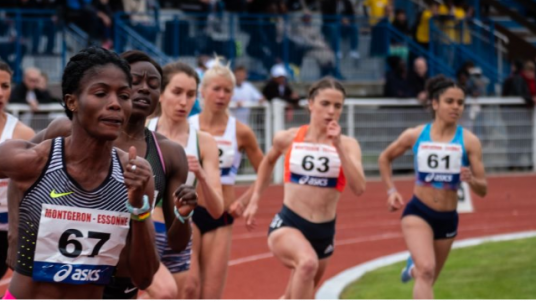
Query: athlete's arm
[(350, 155), (14, 197), (177, 172), (282, 140), (21, 160), (208, 175), (254, 153), (476, 175), (397, 148), (143, 260)]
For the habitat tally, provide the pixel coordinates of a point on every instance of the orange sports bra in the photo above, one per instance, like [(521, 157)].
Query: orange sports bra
[(313, 164)]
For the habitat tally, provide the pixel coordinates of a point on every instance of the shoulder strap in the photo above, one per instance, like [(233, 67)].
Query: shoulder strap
[(9, 128), (159, 152), (153, 123)]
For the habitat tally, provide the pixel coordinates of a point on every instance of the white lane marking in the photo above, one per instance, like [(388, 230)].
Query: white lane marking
[(332, 288)]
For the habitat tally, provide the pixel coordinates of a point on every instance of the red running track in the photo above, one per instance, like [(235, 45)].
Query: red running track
[(365, 231)]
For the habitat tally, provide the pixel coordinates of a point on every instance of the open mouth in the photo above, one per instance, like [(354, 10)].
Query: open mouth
[(144, 102), (112, 121)]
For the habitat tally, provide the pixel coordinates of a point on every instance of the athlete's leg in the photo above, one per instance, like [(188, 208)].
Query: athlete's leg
[(190, 283), (442, 249), (288, 290), (215, 253), (294, 251), (163, 286), (419, 239), (322, 265)]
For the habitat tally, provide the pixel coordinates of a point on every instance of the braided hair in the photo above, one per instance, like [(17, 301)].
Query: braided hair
[(84, 62), (436, 86)]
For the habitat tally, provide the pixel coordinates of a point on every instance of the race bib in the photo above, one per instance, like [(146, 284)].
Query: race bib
[(314, 164), (226, 153), (78, 246), (439, 162)]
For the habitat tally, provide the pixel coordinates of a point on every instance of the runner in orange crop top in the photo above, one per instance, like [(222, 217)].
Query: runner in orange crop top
[(313, 164), (301, 235)]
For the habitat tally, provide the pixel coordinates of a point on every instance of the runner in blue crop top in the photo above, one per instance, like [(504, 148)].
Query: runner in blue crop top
[(445, 155)]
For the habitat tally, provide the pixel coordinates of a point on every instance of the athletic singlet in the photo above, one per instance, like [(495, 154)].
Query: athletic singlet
[(439, 164), (230, 156), (313, 164), (9, 128), (68, 234), (191, 148), (156, 160)]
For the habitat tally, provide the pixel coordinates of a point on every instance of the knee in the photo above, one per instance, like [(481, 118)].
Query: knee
[(307, 267), (191, 289), (425, 272), (165, 291)]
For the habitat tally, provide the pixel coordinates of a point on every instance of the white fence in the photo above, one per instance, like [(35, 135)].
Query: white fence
[(506, 127)]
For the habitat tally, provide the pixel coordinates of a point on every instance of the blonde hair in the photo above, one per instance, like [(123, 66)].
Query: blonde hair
[(218, 69)]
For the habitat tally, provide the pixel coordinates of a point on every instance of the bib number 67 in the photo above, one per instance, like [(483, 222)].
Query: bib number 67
[(67, 240)]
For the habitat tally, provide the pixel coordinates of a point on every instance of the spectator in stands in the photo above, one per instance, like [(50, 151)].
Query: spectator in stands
[(400, 22), (339, 24), (396, 81), (418, 78), (375, 10), (277, 87), (528, 75), (92, 16), (422, 33), (28, 92), (307, 37), (516, 85), (140, 16), (453, 24), (244, 94)]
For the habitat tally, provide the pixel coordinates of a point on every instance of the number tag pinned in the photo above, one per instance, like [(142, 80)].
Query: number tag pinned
[(439, 162), (226, 154), (78, 246), (314, 164)]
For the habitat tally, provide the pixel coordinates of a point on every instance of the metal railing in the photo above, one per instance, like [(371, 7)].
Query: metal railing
[(505, 127)]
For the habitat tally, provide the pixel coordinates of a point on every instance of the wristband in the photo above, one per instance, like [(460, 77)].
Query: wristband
[(181, 218), (391, 191), (141, 217), (139, 211)]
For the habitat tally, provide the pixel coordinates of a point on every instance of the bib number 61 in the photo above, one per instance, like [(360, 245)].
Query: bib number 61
[(67, 240)]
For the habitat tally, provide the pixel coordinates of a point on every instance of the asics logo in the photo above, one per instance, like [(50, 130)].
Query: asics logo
[(54, 194), (429, 177), (63, 273), (77, 275), (313, 181)]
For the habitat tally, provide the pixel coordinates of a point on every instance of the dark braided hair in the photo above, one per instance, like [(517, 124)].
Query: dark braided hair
[(85, 61), (135, 56), (436, 86), (5, 67)]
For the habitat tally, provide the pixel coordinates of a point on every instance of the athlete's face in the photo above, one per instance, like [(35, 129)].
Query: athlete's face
[(326, 106), (217, 93), (5, 88), (179, 97), (103, 104), (146, 83), (449, 107)]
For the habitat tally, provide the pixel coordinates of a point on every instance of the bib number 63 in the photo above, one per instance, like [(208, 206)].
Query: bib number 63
[(70, 244)]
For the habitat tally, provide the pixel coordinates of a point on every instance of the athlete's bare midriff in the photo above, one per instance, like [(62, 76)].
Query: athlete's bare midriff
[(440, 200), (228, 196), (312, 203)]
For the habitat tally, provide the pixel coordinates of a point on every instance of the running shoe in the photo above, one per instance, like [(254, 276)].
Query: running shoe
[(406, 271)]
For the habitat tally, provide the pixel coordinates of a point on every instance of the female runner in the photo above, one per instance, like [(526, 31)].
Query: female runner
[(210, 258), (445, 155), (177, 100), (319, 162), (84, 200)]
